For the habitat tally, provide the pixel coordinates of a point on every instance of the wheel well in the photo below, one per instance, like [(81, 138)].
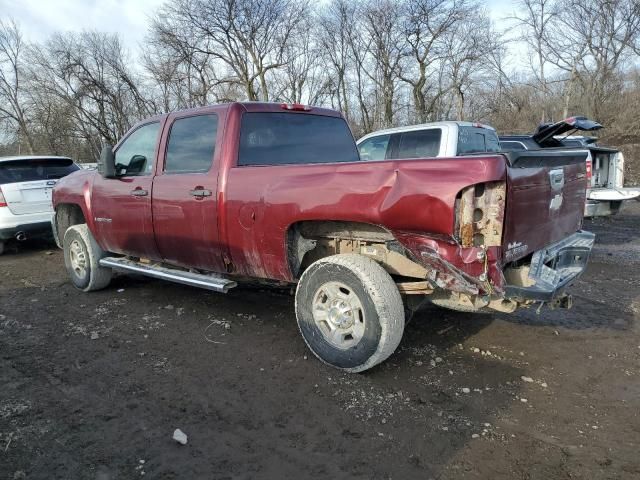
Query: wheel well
[(309, 241), (67, 215)]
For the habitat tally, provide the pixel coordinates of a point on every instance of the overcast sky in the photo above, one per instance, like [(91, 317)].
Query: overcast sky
[(39, 18), (130, 18)]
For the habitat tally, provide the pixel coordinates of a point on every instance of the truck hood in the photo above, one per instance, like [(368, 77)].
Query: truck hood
[(545, 133)]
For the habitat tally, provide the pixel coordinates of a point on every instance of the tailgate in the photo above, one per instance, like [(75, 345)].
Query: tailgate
[(28, 197), (545, 199)]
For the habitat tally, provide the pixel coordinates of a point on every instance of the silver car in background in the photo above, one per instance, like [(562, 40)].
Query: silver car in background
[(25, 195)]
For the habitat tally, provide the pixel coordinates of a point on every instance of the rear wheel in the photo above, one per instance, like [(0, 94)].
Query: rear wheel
[(1, 248), (82, 255), (349, 312)]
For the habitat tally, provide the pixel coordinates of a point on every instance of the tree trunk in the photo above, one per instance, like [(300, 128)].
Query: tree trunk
[(569, 92), (420, 104), (460, 97), (263, 87)]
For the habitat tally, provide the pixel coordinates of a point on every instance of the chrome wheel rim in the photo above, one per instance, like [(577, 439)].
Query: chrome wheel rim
[(339, 315), (78, 259)]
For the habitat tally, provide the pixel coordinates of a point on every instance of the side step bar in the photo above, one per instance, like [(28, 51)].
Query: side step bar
[(209, 282)]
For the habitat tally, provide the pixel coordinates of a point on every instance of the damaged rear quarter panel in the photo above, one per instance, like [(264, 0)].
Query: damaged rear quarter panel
[(403, 196)]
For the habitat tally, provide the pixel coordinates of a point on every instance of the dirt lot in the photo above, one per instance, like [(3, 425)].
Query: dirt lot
[(92, 386)]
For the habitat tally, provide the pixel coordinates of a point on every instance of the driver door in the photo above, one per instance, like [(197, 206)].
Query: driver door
[(122, 206)]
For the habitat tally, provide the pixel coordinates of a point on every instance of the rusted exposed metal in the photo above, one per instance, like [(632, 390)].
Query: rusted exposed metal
[(331, 239), (481, 214), (519, 276), (415, 288)]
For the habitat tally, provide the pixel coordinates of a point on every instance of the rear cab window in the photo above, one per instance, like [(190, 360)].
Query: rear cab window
[(477, 140), (275, 138), (31, 170)]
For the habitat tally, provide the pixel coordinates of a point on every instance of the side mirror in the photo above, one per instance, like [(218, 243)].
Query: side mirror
[(107, 163), (137, 165)]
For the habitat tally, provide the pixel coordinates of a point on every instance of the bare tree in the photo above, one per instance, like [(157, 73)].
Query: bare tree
[(336, 23), (89, 73), (13, 102), (303, 78), (426, 25), (536, 22), (382, 24), (250, 37), (593, 39), (468, 54)]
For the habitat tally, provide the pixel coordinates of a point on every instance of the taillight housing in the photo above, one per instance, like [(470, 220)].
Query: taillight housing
[(480, 214), (589, 167), (3, 202)]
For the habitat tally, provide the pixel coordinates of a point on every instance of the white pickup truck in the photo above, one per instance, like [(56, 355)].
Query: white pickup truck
[(439, 139)]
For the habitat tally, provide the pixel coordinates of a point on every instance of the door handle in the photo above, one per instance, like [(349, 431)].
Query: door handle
[(139, 192), (200, 192)]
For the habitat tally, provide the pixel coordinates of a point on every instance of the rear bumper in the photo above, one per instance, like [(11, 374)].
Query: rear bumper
[(601, 208), (555, 268), (613, 194), (602, 202), (29, 230)]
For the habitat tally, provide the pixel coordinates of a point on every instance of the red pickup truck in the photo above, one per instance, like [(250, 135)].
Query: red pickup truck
[(213, 196)]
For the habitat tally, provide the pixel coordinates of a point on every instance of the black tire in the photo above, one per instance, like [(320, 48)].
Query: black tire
[(79, 243), (1, 248), (381, 312)]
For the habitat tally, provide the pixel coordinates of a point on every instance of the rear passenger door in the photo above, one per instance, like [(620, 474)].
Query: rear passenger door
[(184, 193)]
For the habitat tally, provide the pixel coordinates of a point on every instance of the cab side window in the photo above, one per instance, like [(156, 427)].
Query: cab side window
[(374, 148), (136, 154), (192, 143)]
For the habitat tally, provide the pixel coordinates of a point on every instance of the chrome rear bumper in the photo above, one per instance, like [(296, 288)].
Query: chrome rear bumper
[(554, 268)]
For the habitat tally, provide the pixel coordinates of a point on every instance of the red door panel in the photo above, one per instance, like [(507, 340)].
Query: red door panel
[(185, 224), (122, 206), (122, 215), (184, 205)]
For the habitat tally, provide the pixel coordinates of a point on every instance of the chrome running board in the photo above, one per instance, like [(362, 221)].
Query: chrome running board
[(209, 282)]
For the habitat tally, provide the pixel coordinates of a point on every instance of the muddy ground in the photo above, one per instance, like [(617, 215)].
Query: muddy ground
[(92, 386)]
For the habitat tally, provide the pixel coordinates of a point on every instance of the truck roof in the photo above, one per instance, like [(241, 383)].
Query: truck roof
[(422, 126), (33, 157), (260, 107)]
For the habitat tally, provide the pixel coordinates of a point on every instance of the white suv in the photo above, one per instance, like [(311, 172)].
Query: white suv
[(25, 195)]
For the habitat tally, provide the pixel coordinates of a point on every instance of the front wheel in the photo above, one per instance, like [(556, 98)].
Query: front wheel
[(82, 255), (349, 312)]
